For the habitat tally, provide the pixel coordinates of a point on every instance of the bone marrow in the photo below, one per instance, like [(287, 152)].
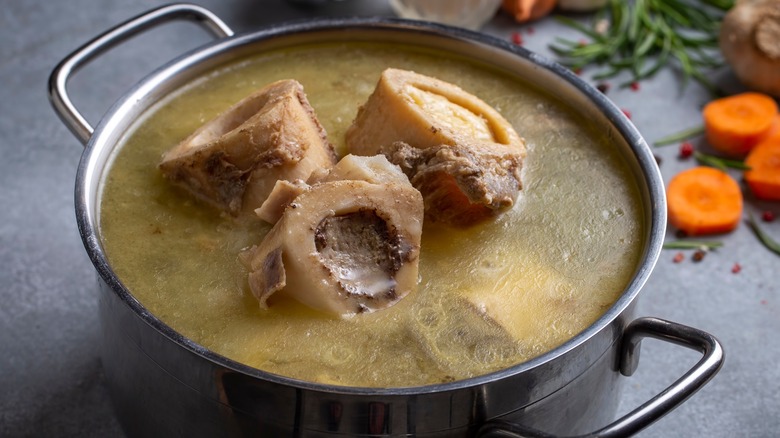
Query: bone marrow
[(233, 161), (362, 251), (456, 149)]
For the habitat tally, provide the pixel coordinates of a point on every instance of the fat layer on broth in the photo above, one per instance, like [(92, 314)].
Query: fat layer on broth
[(551, 266)]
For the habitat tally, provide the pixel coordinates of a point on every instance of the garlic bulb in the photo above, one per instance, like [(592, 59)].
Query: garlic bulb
[(750, 42)]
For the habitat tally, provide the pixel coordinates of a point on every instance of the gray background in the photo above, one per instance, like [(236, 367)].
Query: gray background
[(51, 382)]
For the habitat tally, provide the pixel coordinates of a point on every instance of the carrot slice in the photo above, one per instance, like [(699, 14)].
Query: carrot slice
[(774, 130), (704, 200), (733, 125), (763, 178)]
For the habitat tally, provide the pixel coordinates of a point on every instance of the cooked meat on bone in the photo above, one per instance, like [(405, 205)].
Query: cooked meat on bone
[(460, 184), (233, 161), (472, 170), (343, 246)]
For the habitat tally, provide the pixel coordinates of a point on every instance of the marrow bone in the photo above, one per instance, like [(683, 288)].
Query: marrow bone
[(457, 150), (233, 161), (348, 243)]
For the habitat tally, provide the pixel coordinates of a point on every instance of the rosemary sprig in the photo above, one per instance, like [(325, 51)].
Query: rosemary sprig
[(681, 30), (680, 136), (765, 239), (693, 244), (719, 162)]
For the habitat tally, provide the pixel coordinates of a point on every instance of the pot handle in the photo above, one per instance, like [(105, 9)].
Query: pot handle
[(58, 81), (659, 405)]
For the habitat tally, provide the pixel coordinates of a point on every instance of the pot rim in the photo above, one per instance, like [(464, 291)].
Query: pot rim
[(92, 164)]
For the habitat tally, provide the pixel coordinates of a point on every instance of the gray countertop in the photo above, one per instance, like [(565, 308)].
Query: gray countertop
[(50, 370)]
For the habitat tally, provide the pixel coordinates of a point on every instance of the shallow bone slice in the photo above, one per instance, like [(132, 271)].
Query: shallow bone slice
[(459, 337), (526, 299), (234, 160), (461, 184), (373, 169), (477, 324), (458, 151), (343, 247)]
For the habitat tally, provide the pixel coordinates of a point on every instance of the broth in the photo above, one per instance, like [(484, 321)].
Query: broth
[(551, 266)]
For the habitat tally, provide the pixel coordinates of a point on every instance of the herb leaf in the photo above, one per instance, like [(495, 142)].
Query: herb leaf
[(685, 31), (680, 136), (719, 162), (767, 240), (692, 244)]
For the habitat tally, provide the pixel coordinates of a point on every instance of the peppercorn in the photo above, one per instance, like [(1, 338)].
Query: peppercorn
[(768, 216), (686, 150), (698, 255)]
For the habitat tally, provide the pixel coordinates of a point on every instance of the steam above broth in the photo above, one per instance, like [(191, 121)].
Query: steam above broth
[(544, 262)]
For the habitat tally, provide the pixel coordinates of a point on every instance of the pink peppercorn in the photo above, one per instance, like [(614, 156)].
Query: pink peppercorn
[(768, 216), (736, 268), (635, 86), (517, 38), (686, 150), (679, 257), (626, 112)]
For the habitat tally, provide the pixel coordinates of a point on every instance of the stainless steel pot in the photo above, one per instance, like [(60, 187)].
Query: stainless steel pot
[(164, 384)]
